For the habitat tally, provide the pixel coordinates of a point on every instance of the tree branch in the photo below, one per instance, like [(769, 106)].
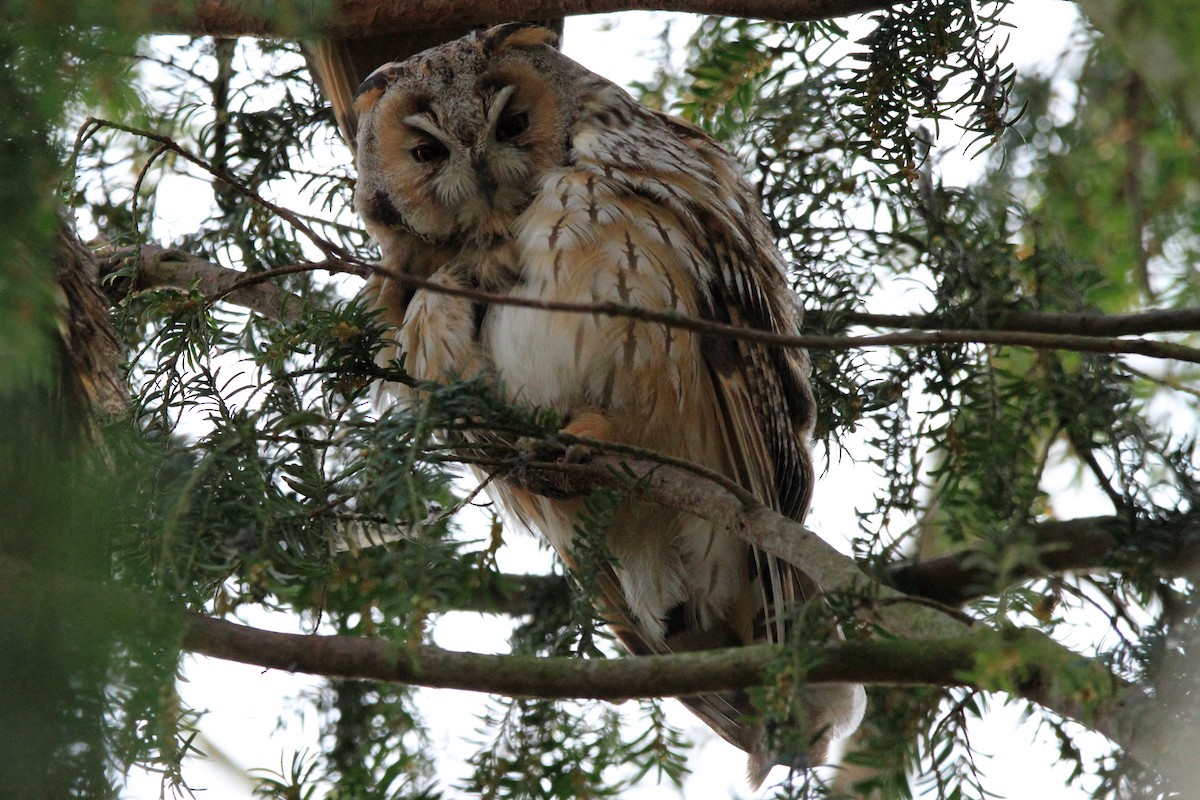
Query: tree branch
[(155, 267), (1041, 341), (1077, 323), (93, 124), (1085, 544), (347, 18), (891, 662), (172, 268), (1078, 545), (1020, 662)]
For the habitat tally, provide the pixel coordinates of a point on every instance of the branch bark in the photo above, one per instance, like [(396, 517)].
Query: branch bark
[(1024, 662), (348, 18), (893, 662), (155, 267), (1087, 544), (1075, 324), (1020, 662)]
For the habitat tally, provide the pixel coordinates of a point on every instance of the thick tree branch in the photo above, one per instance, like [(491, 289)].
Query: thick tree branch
[(347, 18), (153, 267), (894, 662), (1020, 662), (1076, 324), (1079, 545)]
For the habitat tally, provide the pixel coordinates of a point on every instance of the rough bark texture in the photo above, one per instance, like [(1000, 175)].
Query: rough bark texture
[(92, 352), (353, 18)]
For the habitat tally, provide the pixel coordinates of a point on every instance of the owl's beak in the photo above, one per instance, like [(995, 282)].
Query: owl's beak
[(487, 183), (487, 187)]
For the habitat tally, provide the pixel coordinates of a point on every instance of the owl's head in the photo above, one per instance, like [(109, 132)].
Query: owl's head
[(453, 140)]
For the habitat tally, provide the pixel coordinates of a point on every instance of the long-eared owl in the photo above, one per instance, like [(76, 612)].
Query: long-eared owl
[(495, 162)]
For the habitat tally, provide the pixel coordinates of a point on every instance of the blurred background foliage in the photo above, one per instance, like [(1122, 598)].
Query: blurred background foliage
[(252, 471)]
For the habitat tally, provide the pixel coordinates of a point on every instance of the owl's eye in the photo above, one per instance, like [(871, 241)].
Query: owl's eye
[(429, 151), (511, 126)]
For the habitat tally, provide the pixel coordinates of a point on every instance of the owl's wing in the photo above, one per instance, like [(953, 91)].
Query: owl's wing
[(766, 411), (699, 223), (763, 393)]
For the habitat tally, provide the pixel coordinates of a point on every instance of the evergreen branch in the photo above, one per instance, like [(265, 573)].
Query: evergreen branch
[(169, 267), (1017, 661), (1039, 341), (350, 18), (1086, 544), (1044, 671), (166, 143)]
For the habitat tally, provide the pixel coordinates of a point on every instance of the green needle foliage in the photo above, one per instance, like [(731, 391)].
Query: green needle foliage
[(252, 471)]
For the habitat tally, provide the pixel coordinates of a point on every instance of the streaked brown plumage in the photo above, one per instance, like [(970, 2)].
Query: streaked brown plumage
[(496, 162)]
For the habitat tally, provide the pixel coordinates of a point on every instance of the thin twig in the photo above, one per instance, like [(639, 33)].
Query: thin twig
[(1022, 330), (329, 249), (1041, 341), (137, 187)]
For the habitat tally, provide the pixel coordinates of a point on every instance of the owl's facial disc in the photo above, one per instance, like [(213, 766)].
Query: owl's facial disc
[(471, 154), (454, 143)]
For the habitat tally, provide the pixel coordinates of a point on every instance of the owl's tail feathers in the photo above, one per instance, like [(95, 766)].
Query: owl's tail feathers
[(831, 711), (730, 715)]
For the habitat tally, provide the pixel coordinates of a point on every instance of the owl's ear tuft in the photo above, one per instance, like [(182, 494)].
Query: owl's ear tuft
[(523, 35), (370, 90)]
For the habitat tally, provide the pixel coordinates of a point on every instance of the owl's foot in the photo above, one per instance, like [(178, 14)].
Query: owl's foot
[(535, 449), (594, 425)]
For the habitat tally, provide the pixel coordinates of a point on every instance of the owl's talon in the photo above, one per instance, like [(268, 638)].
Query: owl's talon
[(536, 449), (577, 454)]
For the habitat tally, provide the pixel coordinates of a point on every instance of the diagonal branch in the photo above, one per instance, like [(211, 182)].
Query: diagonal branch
[(1024, 662), (93, 124)]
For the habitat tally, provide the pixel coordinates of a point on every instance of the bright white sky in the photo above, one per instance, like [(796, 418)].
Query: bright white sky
[(252, 715)]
